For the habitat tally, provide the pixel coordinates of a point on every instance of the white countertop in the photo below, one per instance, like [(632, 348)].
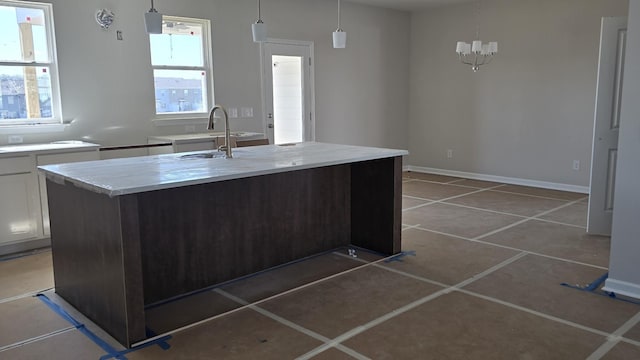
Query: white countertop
[(54, 147), (134, 175), (199, 137)]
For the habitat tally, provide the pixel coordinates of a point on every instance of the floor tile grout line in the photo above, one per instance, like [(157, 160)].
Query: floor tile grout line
[(629, 324), (630, 341), (23, 296), (540, 196), (433, 201), (417, 206), (36, 339), (494, 187), (401, 310), (614, 338), (534, 312), (408, 227), (511, 214), (511, 248), (458, 288), (444, 183), (285, 322), (204, 321), (535, 217)]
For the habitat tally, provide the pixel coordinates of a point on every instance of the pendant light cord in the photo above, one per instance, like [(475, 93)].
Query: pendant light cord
[(259, 12), (339, 15), (478, 20)]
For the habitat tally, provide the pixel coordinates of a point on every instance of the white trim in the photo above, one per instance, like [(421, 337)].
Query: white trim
[(183, 118), (502, 179), (622, 288), (312, 80), (54, 77), (179, 121), (32, 129)]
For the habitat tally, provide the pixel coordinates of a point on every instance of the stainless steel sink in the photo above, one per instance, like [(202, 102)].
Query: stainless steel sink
[(208, 155)]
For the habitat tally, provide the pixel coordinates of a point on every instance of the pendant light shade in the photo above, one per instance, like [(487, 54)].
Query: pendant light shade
[(259, 29), (339, 36), (153, 21), (339, 39)]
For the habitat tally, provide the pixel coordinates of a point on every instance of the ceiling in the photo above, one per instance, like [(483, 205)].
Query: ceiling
[(409, 5)]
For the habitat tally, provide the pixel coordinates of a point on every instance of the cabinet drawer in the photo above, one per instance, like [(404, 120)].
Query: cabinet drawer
[(67, 157), (15, 165)]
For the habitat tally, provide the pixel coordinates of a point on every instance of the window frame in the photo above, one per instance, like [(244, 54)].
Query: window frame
[(207, 66), (56, 103)]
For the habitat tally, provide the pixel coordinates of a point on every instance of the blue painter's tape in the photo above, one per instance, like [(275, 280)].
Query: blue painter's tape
[(596, 284), (401, 256), (161, 342), (593, 288), (112, 353)]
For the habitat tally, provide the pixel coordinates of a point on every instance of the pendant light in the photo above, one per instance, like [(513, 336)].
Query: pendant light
[(153, 21), (259, 29), (339, 36)]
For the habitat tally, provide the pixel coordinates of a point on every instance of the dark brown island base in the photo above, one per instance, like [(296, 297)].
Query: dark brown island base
[(127, 233)]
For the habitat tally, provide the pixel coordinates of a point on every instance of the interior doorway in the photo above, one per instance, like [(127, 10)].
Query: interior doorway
[(288, 90)]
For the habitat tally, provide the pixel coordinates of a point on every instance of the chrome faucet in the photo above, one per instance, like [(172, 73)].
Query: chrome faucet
[(227, 132)]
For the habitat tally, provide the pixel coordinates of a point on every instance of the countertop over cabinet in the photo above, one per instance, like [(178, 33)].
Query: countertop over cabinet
[(56, 147), (199, 137), (134, 175), (133, 234)]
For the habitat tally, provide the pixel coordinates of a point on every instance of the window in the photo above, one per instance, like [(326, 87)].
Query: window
[(28, 72), (182, 73)]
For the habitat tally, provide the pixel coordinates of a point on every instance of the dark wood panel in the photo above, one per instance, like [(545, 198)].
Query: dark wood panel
[(90, 260), (220, 231), (376, 200)]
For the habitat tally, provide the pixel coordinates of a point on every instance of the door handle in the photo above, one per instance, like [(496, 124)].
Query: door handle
[(270, 116), (270, 126)]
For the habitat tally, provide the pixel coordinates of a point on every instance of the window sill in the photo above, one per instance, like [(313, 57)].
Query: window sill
[(32, 129), (179, 121)]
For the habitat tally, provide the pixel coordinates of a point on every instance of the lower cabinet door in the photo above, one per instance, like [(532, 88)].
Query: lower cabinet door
[(18, 202)]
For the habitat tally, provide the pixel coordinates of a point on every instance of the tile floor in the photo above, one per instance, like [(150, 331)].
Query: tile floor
[(480, 280)]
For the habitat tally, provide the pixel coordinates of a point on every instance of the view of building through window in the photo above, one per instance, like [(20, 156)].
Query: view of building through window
[(25, 64), (180, 63)]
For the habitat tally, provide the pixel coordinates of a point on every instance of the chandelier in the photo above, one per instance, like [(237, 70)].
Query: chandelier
[(476, 54)]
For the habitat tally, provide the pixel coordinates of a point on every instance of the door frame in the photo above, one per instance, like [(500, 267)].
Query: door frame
[(312, 81), (608, 98)]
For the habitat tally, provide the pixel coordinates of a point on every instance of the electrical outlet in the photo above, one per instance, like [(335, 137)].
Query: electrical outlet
[(449, 154), (233, 113), (15, 139), (190, 128), (576, 165)]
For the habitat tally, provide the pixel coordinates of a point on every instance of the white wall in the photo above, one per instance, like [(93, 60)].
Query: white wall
[(526, 115), (624, 274), (107, 86)]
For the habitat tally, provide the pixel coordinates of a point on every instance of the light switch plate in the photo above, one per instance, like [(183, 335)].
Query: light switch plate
[(246, 112), (15, 139)]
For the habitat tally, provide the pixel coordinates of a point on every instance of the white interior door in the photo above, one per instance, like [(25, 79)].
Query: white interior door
[(606, 125), (287, 68)]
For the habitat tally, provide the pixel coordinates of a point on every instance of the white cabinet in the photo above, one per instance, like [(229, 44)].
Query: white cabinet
[(19, 208), (24, 210)]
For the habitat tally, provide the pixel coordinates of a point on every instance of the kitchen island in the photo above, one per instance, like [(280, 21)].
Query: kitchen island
[(130, 233)]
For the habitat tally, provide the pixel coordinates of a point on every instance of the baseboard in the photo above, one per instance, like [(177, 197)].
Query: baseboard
[(501, 179), (622, 288), (23, 246)]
